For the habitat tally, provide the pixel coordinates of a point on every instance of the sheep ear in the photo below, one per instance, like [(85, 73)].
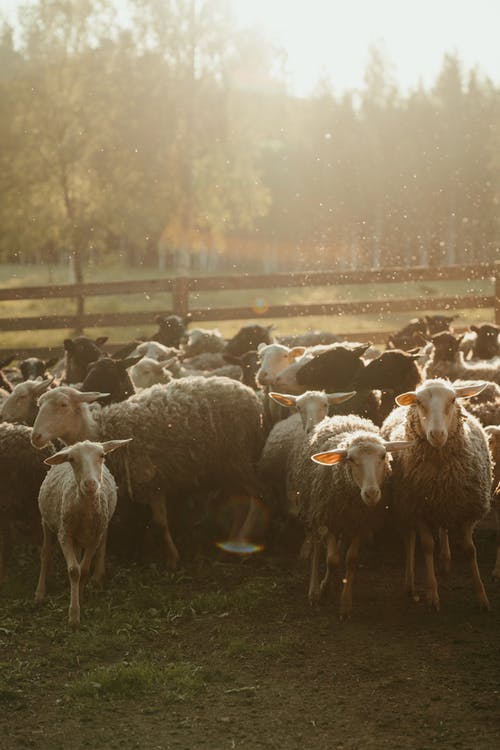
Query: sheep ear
[(472, 389), (474, 328), (283, 398), (68, 345), (296, 351), (339, 398), (492, 429), (360, 350), (128, 362), (57, 458), (112, 445), (101, 340), (329, 457), (50, 362), (406, 399), (390, 343), (89, 397), (398, 445), (231, 359), (261, 346), (42, 386), (166, 363)]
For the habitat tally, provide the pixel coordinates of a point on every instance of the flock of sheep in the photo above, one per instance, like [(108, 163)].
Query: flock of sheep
[(334, 436)]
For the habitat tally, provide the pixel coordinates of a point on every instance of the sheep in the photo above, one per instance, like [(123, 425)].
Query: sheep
[(110, 376), (32, 368), (486, 344), (493, 433), (146, 372), (5, 383), (249, 364), (443, 481), (485, 406), (248, 339), (80, 352), (154, 350), (448, 361), (427, 326), (194, 433), (273, 359), (172, 330), (21, 404), (311, 338), (344, 500), (393, 372), (312, 407), (77, 500), (22, 470), (202, 340)]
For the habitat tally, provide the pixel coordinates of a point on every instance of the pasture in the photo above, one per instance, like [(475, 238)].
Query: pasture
[(228, 653)]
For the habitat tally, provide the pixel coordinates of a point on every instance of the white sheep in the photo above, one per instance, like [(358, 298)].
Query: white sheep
[(444, 480), (493, 432), (77, 500), (149, 371), (192, 434), (312, 407), (21, 404), (343, 499), (273, 359)]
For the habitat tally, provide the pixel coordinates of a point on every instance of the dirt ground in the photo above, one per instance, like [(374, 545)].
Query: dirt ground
[(229, 654)]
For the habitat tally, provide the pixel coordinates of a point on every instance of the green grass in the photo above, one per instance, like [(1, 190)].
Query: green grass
[(132, 679), (256, 301)]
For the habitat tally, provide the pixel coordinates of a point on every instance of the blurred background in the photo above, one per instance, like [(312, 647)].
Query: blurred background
[(210, 136)]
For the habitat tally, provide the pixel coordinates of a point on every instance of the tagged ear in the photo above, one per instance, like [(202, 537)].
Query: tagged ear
[(329, 457), (89, 397), (472, 389), (283, 399), (112, 445), (406, 399), (339, 398), (296, 351), (57, 458), (398, 445)]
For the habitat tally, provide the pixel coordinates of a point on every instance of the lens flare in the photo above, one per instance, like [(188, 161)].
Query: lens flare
[(240, 548), (260, 306)]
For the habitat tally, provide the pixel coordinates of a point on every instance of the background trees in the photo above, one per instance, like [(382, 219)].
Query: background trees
[(170, 134)]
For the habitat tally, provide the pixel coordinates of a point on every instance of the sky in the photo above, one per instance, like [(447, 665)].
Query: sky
[(333, 37)]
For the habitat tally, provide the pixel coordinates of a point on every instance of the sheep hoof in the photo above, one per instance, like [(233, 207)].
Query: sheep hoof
[(39, 598), (432, 600)]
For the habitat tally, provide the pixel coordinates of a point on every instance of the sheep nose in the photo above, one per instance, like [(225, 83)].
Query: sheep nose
[(437, 438), (89, 486), (371, 495)]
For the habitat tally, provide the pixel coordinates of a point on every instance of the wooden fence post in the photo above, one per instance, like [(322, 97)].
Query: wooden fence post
[(180, 296), (80, 314), (497, 293)]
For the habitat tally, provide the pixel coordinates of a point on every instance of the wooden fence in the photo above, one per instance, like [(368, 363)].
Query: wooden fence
[(177, 298)]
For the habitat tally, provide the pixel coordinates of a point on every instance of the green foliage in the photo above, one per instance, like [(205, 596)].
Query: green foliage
[(173, 129)]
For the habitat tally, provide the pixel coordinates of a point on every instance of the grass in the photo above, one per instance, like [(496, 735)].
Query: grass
[(132, 679), (256, 301)]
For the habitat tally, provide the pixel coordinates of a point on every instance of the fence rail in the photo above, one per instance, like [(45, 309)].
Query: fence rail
[(179, 289)]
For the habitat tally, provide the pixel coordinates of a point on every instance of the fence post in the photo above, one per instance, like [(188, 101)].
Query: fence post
[(80, 314), (180, 296), (497, 293)]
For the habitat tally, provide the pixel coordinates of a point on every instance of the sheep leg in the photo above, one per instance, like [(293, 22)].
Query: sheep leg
[(410, 565), (159, 511), (332, 562), (45, 555), (444, 551), (73, 568), (427, 541), (470, 553), (85, 564), (351, 565), (100, 561), (244, 534), (5, 545), (314, 592)]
